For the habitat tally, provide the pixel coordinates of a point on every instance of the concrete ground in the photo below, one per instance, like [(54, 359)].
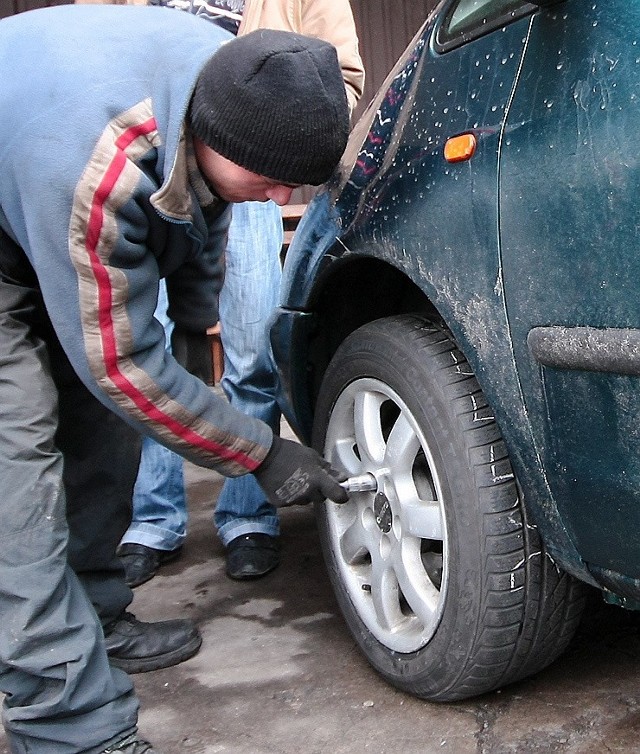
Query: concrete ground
[(278, 672)]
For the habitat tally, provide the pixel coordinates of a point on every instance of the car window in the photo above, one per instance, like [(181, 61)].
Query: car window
[(467, 19)]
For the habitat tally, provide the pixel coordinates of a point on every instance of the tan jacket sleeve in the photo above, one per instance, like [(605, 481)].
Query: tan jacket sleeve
[(331, 20)]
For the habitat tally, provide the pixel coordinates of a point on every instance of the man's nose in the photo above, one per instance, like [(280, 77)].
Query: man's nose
[(279, 194)]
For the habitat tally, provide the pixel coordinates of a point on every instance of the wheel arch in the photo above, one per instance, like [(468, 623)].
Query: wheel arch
[(356, 288), (351, 290), (355, 291)]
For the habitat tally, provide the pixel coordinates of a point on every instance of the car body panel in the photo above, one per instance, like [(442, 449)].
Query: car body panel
[(575, 116)]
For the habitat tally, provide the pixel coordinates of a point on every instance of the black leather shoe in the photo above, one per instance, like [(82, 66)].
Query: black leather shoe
[(251, 556), (130, 745), (141, 563), (137, 647)]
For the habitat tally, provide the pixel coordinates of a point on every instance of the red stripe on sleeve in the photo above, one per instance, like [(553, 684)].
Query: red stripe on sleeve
[(105, 305)]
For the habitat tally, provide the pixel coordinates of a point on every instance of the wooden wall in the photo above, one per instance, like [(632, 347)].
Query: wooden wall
[(385, 28), (9, 7)]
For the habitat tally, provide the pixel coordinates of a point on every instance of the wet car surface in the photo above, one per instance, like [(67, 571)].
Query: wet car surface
[(460, 318)]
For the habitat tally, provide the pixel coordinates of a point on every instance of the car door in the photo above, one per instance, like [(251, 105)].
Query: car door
[(569, 222)]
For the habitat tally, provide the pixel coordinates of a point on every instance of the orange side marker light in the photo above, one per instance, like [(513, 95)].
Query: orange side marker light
[(460, 148)]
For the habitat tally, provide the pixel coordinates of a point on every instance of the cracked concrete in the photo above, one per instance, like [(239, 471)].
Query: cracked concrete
[(278, 672)]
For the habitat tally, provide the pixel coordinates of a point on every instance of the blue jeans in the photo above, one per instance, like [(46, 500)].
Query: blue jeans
[(159, 505), (249, 295)]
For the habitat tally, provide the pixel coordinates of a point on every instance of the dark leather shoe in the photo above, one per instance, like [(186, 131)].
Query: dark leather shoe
[(251, 556), (141, 563), (130, 745), (137, 647)]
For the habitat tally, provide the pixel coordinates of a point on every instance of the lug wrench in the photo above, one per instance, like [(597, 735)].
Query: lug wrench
[(360, 483)]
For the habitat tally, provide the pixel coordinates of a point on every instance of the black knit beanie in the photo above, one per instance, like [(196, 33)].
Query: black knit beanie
[(274, 103)]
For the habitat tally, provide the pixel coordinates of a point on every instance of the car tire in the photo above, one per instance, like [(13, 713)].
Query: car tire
[(441, 579)]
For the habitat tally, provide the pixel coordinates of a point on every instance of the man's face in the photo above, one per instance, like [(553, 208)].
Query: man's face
[(233, 183)]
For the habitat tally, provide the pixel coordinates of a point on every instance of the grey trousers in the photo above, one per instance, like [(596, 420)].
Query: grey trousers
[(67, 469)]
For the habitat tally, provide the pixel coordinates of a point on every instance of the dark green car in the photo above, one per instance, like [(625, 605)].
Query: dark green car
[(461, 319)]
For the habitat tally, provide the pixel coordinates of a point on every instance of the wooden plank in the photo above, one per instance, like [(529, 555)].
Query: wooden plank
[(217, 353), (292, 211), (291, 214), (385, 28)]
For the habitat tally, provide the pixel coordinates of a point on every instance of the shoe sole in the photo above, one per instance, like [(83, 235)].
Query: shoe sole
[(250, 576), (157, 662)]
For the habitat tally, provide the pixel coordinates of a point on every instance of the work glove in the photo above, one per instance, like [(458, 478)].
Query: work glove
[(193, 351), (292, 474)]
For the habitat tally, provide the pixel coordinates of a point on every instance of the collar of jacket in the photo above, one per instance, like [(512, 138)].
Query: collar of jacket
[(174, 199)]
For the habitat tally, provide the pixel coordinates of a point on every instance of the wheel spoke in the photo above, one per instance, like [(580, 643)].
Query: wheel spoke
[(385, 594), (402, 446), (356, 543), (422, 518), (421, 595), (343, 456), (368, 431)]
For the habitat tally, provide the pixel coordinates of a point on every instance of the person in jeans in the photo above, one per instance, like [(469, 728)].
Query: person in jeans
[(247, 523), (123, 141)]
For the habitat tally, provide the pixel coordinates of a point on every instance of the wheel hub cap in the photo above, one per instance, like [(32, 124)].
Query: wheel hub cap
[(382, 510)]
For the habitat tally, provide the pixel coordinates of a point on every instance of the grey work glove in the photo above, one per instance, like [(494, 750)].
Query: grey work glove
[(293, 474), (193, 351)]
